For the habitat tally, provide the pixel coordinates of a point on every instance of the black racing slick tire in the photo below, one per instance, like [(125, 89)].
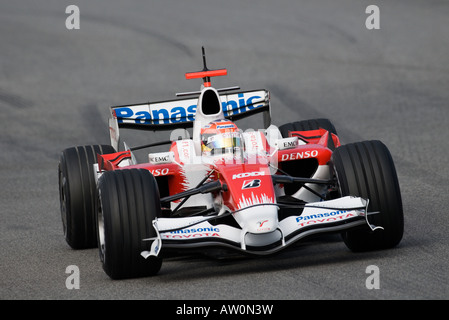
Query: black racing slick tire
[(127, 203), (77, 189), (306, 125), (366, 170)]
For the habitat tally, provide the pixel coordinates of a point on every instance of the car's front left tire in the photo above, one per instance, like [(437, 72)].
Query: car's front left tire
[(366, 169)]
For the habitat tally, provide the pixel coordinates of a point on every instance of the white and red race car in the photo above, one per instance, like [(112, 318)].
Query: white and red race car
[(254, 191)]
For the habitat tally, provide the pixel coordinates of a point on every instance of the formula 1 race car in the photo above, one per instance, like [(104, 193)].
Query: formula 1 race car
[(254, 191)]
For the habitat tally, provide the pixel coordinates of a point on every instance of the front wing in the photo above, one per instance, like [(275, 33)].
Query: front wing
[(206, 231)]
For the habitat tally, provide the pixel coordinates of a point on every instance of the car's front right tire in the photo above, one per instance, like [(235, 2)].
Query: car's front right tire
[(77, 194), (127, 203)]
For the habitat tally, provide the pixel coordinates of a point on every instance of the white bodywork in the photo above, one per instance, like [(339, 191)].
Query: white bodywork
[(325, 216)]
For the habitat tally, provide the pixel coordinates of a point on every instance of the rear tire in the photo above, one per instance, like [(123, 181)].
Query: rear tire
[(77, 189), (366, 170), (128, 202)]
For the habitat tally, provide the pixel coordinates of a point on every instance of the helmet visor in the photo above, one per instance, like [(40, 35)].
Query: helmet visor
[(224, 140)]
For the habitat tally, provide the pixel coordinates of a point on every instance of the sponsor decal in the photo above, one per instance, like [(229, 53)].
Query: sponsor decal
[(161, 157), (235, 106), (196, 230), (168, 112), (248, 174), (289, 144), (260, 223), (253, 141), (192, 233), (299, 155), (324, 217), (184, 149), (248, 184), (286, 143), (147, 114), (160, 172), (226, 126), (262, 227)]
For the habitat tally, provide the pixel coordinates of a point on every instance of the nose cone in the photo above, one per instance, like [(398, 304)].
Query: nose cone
[(258, 219)]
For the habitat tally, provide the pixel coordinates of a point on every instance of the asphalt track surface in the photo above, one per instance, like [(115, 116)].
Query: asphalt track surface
[(318, 60)]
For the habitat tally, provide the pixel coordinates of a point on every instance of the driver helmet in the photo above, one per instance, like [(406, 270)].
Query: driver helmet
[(221, 137)]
